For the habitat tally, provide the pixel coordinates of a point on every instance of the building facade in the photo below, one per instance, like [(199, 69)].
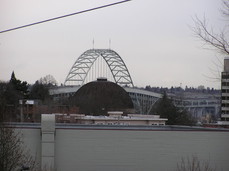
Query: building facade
[(225, 91), (113, 118), (205, 108)]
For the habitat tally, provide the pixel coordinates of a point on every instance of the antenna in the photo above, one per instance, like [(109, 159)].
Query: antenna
[(109, 43), (93, 43)]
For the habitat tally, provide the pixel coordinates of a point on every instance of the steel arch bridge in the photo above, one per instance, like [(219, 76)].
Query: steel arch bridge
[(80, 69)]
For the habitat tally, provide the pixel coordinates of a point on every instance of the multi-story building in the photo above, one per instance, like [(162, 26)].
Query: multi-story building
[(225, 91), (204, 107)]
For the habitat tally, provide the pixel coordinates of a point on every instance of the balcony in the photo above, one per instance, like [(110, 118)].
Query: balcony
[(225, 94), (225, 87), (225, 116), (225, 108), (225, 101), (225, 80)]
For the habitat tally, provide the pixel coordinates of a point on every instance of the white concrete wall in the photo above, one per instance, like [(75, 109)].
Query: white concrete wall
[(128, 150), (31, 138)]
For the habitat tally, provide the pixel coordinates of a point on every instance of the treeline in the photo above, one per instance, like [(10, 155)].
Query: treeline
[(14, 90), (177, 90)]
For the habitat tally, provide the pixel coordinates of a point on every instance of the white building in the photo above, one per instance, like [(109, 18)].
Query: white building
[(113, 118)]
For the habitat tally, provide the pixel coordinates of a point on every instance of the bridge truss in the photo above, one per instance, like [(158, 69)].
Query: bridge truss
[(80, 69)]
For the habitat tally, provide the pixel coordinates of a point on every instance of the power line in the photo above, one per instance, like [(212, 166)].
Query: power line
[(68, 15)]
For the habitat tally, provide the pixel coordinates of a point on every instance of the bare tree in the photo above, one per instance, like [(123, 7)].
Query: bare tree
[(194, 164), (13, 154), (225, 10), (217, 41), (48, 80)]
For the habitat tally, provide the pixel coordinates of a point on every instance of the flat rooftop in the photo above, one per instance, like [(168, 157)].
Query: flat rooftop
[(115, 127)]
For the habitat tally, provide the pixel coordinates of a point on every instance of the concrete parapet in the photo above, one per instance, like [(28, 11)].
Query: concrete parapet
[(48, 141)]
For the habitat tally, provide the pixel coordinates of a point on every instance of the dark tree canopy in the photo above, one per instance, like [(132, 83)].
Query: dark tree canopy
[(20, 86), (39, 91), (176, 116), (10, 94)]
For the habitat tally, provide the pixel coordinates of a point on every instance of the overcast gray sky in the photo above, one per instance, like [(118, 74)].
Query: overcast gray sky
[(152, 37)]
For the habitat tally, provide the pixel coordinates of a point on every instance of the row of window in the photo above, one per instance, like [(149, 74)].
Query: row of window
[(141, 95), (225, 97), (225, 105), (225, 83), (63, 95), (225, 90), (225, 75), (189, 103)]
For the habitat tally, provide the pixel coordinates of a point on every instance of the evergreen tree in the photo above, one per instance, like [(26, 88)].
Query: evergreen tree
[(39, 91), (10, 94), (13, 91), (176, 116), (18, 85)]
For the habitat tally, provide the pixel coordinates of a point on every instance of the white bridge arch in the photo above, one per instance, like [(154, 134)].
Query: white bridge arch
[(80, 69), (143, 100)]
